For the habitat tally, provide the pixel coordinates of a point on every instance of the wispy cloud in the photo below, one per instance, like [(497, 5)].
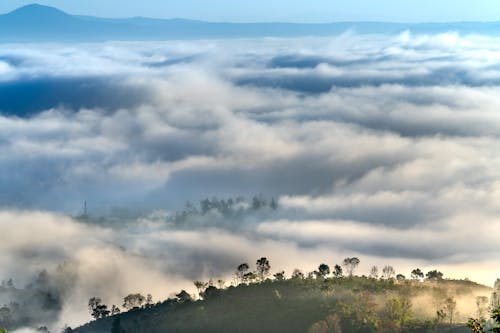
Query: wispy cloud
[(382, 147)]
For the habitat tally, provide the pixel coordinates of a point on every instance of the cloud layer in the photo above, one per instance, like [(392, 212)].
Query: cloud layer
[(381, 147)]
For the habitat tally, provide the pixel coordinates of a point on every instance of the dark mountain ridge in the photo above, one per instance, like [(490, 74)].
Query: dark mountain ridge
[(35, 23)]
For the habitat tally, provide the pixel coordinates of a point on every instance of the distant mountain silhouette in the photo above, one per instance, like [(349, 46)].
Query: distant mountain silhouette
[(35, 22)]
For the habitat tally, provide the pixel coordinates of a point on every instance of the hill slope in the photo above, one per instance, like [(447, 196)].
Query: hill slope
[(305, 305)]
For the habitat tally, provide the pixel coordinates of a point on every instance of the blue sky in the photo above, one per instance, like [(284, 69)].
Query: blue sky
[(283, 10)]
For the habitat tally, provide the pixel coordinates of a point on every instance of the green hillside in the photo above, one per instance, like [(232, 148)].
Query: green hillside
[(357, 304)]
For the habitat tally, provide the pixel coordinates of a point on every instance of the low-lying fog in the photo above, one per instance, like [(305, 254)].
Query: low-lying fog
[(385, 148)]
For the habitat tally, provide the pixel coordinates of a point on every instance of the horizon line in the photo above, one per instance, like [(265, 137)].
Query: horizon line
[(250, 22)]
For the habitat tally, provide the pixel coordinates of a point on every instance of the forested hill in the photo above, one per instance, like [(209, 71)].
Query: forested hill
[(309, 304)]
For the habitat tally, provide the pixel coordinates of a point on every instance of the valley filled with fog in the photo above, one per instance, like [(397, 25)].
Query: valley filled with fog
[(380, 147)]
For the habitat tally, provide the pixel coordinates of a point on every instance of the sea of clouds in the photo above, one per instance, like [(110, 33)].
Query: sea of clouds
[(380, 147)]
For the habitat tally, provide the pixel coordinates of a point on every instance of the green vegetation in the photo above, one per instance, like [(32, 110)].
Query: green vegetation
[(317, 302), (481, 325)]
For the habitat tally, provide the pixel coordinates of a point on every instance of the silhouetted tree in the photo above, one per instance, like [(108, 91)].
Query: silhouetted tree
[(273, 204), (97, 309), (263, 267), (184, 296), (133, 301), (149, 301), (280, 276), (200, 286), (323, 270), (417, 274), (249, 277), (241, 271), (115, 310), (337, 272), (297, 274), (434, 275), (210, 292), (66, 329), (350, 265), (400, 277)]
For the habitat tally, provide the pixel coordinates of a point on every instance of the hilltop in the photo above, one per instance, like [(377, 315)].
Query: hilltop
[(357, 304)]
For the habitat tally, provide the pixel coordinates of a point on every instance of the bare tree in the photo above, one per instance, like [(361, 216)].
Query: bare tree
[(374, 272), (482, 303), (388, 272), (450, 308), (350, 265)]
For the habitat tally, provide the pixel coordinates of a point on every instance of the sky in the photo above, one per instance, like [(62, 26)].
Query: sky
[(282, 10), (380, 147)]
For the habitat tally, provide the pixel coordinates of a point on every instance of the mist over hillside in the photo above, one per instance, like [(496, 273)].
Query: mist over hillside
[(147, 165)]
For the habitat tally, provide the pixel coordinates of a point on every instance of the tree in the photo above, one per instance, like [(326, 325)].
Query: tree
[(478, 327), (149, 301), (3, 330), (337, 272), (263, 267), (374, 272), (115, 310), (184, 297), (249, 277), (280, 276), (482, 307), (241, 271), (417, 274), (400, 277), (297, 274), (133, 301), (200, 286), (331, 324), (359, 314), (210, 292), (5, 316), (350, 265), (273, 204), (388, 272), (450, 308), (434, 275), (66, 329), (97, 309), (323, 270), (397, 313)]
